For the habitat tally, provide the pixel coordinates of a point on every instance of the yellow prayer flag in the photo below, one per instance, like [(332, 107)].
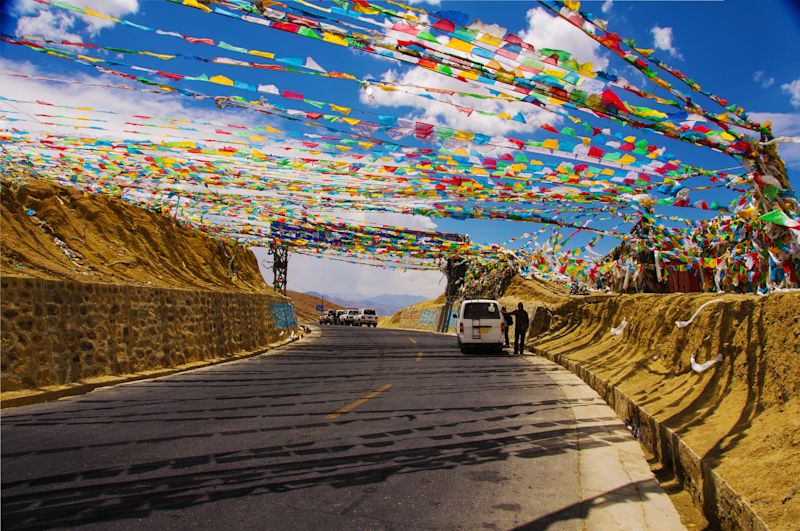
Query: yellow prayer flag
[(162, 56), (91, 12), (464, 136), (333, 38), (587, 69), (550, 143), (339, 108), (221, 80), (197, 5), (366, 9), (461, 46), (490, 39), (267, 55)]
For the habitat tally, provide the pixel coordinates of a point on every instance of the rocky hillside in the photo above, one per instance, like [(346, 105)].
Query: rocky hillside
[(55, 232)]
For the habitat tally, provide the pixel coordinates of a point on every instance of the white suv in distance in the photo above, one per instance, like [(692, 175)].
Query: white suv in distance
[(366, 317), (480, 325), (348, 318)]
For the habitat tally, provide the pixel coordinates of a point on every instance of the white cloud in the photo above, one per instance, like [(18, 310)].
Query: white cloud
[(760, 77), (783, 124), (607, 5), (48, 24), (492, 29), (543, 30), (122, 102), (793, 90), (331, 277), (431, 2), (547, 31), (662, 40), (53, 23), (438, 112)]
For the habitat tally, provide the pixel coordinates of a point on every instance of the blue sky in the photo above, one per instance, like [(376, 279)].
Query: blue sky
[(741, 50)]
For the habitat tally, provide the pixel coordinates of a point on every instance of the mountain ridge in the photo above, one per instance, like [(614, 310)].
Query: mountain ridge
[(384, 304)]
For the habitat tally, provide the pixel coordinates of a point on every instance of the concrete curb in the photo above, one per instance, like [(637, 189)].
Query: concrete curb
[(721, 504), (610, 473), (80, 388)]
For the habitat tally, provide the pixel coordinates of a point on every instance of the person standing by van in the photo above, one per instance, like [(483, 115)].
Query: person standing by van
[(509, 321), (521, 323)]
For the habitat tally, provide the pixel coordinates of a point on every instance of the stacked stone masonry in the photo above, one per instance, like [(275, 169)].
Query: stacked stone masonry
[(58, 332)]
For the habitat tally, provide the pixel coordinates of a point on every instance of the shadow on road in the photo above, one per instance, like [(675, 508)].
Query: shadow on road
[(141, 488), (450, 415)]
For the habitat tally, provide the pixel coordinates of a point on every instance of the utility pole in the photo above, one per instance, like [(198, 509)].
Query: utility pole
[(455, 269), (280, 266)]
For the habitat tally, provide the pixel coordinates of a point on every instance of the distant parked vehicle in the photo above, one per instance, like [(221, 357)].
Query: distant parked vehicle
[(348, 318), (338, 317), (327, 317), (480, 325), (366, 317)]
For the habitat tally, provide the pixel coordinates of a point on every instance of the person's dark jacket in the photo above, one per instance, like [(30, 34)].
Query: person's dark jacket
[(521, 319)]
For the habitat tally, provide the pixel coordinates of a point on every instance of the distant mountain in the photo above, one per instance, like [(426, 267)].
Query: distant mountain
[(305, 305), (385, 304)]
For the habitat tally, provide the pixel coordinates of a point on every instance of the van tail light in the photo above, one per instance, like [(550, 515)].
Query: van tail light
[(460, 328), (503, 326)]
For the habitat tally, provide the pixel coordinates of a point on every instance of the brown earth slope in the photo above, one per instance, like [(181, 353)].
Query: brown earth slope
[(305, 306), (56, 232), (741, 415)]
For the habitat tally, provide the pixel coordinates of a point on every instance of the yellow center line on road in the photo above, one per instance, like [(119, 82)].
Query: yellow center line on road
[(412, 340), (419, 356), (353, 405)]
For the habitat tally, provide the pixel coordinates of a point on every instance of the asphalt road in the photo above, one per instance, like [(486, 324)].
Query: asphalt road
[(356, 429)]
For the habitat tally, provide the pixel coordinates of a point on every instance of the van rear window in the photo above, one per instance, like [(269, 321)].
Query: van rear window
[(369, 312), (481, 310)]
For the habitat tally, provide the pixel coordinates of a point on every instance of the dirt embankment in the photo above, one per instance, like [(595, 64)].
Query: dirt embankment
[(532, 293), (741, 415), (305, 306), (54, 232)]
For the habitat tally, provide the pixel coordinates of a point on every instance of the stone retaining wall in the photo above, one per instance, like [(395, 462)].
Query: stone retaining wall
[(58, 332)]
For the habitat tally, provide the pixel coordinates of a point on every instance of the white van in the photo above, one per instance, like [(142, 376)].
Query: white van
[(480, 325), (366, 317), (349, 317)]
